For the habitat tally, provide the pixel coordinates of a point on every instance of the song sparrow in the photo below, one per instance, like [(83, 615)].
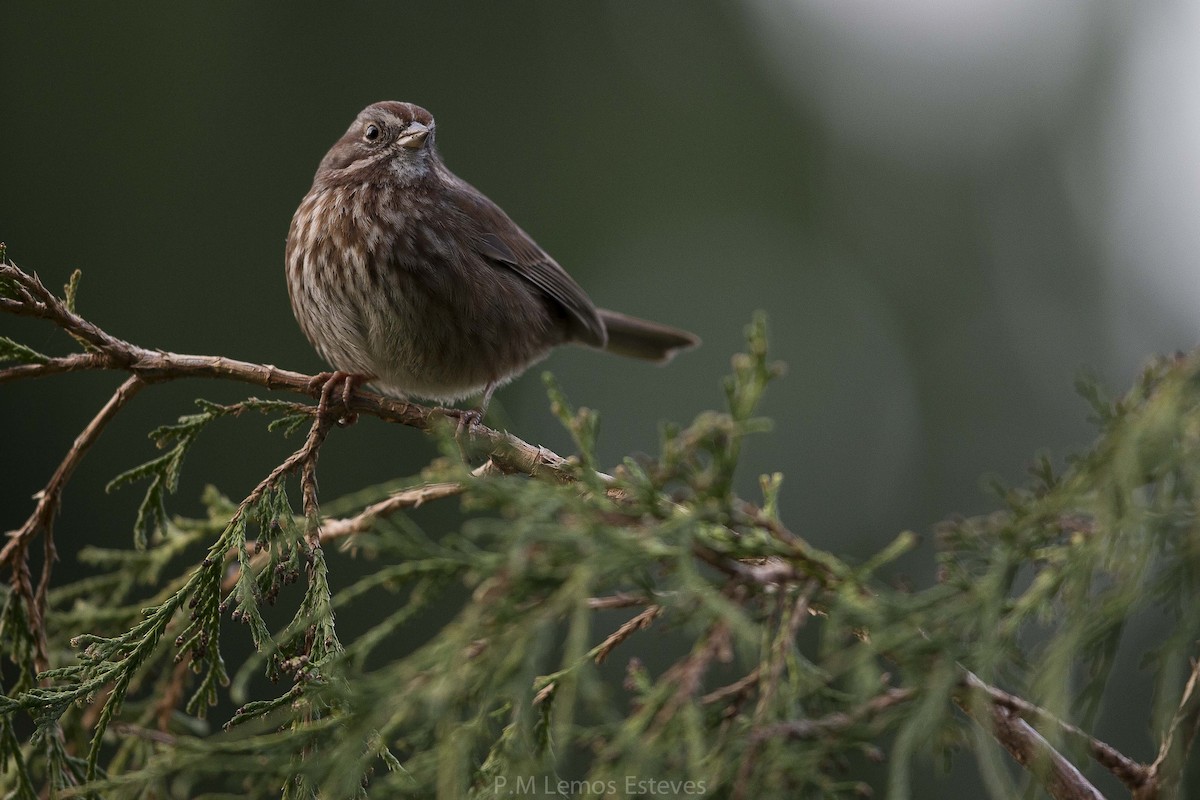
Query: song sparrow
[(405, 276)]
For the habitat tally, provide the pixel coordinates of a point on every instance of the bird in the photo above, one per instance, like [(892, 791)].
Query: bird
[(405, 277)]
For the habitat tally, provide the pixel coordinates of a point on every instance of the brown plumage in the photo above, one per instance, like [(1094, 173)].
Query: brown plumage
[(405, 275)]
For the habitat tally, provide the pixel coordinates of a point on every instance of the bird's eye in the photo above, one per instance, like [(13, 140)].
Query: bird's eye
[(371, 133)]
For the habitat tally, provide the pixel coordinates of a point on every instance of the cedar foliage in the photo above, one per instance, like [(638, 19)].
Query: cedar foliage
[(791, 670)]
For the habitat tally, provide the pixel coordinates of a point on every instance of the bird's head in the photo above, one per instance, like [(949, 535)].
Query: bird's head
[(391, 137)]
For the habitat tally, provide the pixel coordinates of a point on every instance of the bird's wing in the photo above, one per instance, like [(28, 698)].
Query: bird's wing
[(501, 241)]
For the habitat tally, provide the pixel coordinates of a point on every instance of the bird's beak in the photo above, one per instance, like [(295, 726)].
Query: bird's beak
[(414, 135)]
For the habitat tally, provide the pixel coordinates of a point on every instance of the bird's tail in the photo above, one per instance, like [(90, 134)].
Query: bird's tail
[(640, 338)]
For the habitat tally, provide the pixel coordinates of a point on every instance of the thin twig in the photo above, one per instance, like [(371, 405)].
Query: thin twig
[(75, 362), (415, 497), (35, 300), (42, 520), (346, 527), (761, 519), (308, 473), (618, 600), (306, 452), (1171, 757), (1061, 779), (1123, 768), (156, 736), (172, 693), (738, 688), (785, 641), (687, 674), (838, 722), (642, 620)]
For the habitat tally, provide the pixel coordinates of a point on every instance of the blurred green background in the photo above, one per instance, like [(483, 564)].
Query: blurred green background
[(948, 209)]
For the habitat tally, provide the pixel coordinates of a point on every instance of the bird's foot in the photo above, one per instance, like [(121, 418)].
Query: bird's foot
[(339, 385), (467, 419)]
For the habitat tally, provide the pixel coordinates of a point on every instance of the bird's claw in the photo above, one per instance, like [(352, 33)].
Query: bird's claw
[(467, 419), (328, 383)]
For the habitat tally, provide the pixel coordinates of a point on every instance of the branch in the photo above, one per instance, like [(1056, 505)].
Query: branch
[(42, 519), (304, 459), (415, 497), (73, 363), (618, 600), (35, 300), (833, 724), (640, 621), (792, 620), (803, 571), (738, 689), (504, 452), (344, 527), (508, 453), (1061, 779), (1169, 763), (1123, 768)]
